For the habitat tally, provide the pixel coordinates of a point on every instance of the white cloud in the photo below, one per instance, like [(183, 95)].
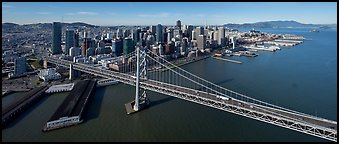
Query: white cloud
[(199, 15), (154, 15), (86, 13), (44, 13), (51, 6), (82, 13), (6, 6)]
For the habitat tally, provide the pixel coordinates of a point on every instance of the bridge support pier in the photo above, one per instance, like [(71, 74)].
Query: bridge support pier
[(73, 73), (140, 102)]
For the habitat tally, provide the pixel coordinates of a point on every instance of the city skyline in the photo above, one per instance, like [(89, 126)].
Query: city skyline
[(167, 13)]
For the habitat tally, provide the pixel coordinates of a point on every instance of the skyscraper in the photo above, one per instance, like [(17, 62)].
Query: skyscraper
[(128, 46), (76, 39), (189, 32), (117, 47), (169, 36), (56, 36), (153, 29), (221, 38), (201, 41), (200, 30), (161, 50), (194, 35), (70, 38), (178, 24), (159, 33), (184, 45), (86, 44)]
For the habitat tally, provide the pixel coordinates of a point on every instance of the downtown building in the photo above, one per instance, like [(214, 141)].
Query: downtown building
[(56, 37)]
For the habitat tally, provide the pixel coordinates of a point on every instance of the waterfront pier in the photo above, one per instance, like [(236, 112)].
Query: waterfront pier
[(228, 60), (70, 112)]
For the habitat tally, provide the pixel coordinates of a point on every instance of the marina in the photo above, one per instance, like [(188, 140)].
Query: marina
[(262, 48)]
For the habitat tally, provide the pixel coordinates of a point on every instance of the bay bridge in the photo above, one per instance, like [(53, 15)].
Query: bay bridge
[(148, 71)]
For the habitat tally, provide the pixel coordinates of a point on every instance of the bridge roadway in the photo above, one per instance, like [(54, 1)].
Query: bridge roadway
[(308, 124)]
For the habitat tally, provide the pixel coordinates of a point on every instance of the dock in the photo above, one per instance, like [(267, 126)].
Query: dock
[(60, 88), (18, 107), (70, 112), (229, 60)]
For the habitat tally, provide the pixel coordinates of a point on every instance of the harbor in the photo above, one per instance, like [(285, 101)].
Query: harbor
[(261, 48)]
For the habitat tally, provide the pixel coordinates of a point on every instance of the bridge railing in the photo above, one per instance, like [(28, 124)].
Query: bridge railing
[(173, 74)]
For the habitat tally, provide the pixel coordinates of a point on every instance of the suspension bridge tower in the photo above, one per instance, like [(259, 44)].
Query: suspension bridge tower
[(141, 101)]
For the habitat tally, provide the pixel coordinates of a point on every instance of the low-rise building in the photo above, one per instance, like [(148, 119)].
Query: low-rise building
[(49, 74)]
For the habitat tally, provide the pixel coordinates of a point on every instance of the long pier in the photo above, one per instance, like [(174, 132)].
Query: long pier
[(234, 61), (70, 112), (18, 107)]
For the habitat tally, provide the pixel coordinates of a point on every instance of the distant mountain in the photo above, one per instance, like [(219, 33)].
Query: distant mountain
[(75, 24), (274, 24), (78, 24), (9, 24)]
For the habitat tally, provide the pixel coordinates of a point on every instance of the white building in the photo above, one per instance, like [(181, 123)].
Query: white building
[(49, 74)]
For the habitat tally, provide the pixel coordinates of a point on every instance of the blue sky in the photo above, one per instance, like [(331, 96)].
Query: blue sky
[(151, 13)]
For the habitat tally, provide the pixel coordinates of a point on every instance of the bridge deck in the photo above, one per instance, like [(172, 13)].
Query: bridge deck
[(305, 122)]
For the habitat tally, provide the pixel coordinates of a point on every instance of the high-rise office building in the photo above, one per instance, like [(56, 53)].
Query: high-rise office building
[(200, 30), (177, 32), (169, 48), (233, 41), (201, 42), (86, 44), (153, 30), (184, 46), (128, 46), (194, 35), (109, 36), (161, 49), (69, 41), (189, 32), (76, 40), (221, 38), (159, 33), (119, 33), (169, 36), (178, 24), (117, 47), (56, 36), (150, 40), (216, 35), (126, 33), (136, 35)]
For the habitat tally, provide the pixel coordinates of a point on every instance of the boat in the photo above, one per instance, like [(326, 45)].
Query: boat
[(314, 30), (249, 54), (218, 55)]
